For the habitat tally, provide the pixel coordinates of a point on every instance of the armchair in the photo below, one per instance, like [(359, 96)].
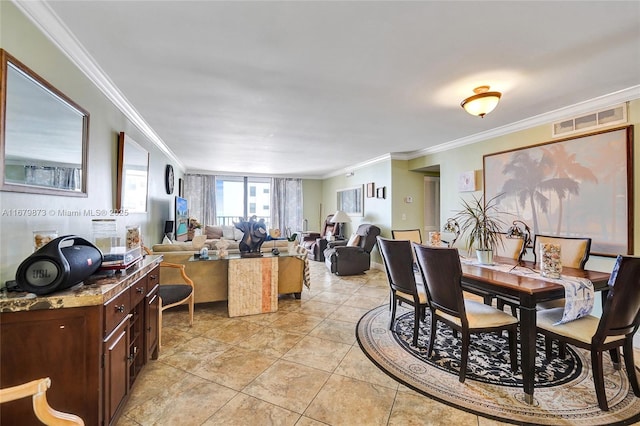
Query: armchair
[(355, 258), (316, 242)]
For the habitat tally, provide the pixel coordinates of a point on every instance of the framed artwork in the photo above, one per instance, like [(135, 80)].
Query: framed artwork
[(371, 190), (351, 200), (381, 192), (574, 187), (467, 181)]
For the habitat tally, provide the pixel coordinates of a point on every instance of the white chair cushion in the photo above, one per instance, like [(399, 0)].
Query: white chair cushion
[(480, 315), (422, 294), (581, 329)]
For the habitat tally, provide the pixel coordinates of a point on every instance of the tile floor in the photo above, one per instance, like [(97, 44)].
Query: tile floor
[(298, 366)]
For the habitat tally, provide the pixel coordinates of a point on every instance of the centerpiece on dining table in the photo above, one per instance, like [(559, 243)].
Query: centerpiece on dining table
[(480, 221)]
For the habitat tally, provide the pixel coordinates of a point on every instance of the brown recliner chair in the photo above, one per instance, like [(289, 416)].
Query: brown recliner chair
[(316, 243), (354, 259)]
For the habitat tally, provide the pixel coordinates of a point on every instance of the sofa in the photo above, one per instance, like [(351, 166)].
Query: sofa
[(210, 277)]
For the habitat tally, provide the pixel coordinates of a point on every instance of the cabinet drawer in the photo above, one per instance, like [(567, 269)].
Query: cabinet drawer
[(138, 290), (115, 310), (153, 279)]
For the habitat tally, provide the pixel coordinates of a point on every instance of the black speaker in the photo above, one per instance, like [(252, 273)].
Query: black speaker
[(168, 227), (58, 265)]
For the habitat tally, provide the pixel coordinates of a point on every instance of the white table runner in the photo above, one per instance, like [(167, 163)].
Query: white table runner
[(579, 292)]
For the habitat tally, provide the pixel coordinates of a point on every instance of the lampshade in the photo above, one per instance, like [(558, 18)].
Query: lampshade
[(483, 102), (340, 217)]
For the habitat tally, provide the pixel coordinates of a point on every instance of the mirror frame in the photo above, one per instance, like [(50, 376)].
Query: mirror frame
[(123, 141), (5, 59)]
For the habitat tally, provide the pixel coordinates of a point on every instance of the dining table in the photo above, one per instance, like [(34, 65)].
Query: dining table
[(525, 289)]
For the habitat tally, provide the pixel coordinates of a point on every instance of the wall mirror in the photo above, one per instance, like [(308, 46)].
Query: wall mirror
[(351, 201), (133, 175), (44, 135)]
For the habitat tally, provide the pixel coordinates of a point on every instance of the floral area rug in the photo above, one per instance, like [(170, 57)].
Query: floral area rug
[(564, 392)]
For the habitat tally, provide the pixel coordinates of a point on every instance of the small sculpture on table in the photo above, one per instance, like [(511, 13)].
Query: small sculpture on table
[(255, 233)]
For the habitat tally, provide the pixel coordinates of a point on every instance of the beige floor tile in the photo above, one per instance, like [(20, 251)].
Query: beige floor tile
[(412, 408), (189, 401), (317, 308), (288, 385), (337, 331), (235, 368), (306, 421), (192, 354), (233, 332), (272, 341), (346, 401), (348, 314), (246, 410), (152, 381), (365, 302), (357, 366), (297, 322), (318, 353), (329, 297)]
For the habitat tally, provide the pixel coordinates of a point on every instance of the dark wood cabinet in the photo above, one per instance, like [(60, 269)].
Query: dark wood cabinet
[(63, 344), (92, 354)]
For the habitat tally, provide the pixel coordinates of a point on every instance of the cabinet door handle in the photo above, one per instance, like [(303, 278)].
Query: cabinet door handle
[(140, 289), (120, 308), (153, 277)]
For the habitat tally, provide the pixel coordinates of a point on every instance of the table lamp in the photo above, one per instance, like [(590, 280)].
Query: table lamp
[(340, 217), (519, 229)]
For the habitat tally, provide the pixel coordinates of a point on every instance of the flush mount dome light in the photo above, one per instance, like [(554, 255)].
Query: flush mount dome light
[(482, 103)]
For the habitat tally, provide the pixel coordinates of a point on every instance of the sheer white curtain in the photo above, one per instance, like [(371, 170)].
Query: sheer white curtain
[(200, 192), (286, 204)]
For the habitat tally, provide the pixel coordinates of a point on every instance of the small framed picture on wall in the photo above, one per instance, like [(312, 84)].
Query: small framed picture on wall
[(371, 190), (381, 192)]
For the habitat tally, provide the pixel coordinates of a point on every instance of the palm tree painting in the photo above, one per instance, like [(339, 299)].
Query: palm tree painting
[(572, 187)]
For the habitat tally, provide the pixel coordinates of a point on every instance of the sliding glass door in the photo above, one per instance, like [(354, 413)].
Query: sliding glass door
[(242, 197)]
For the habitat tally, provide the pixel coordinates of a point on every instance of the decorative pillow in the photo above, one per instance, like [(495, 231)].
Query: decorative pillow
[(213, 232), (198, 241), (354, 240), (228, 232)]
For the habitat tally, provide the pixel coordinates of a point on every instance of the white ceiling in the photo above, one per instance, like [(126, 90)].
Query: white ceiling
[(306, 89)]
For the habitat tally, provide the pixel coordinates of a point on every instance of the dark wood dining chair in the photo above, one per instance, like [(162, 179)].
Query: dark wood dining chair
[(615, 328), (442, 273), (397, 258)]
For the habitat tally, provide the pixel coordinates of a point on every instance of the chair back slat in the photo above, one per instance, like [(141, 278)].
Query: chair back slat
[(398, 263), (442, 274), (621, 311)]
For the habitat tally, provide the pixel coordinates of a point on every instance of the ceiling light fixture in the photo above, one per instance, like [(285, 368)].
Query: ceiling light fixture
[(482, 103)]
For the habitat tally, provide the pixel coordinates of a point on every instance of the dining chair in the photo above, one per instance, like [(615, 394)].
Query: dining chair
[(412, 235), (615, 328), (172, 295), (37, 390), (397, 257), (442, 273), (574, 253)]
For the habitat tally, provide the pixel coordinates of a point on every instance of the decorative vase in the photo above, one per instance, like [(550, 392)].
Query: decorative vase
[(434, 238), (550, 262), (485, 257)]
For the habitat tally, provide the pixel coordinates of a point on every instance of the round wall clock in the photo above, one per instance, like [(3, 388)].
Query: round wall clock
[(168, 179)]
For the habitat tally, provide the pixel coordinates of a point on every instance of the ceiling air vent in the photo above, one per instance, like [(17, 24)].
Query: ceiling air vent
[(591, 121)]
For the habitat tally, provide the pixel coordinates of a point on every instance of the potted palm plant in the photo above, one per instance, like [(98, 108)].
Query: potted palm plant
[(481, 223)]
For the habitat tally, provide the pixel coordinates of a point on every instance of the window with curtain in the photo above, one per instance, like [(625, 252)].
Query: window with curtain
[(221, 200)]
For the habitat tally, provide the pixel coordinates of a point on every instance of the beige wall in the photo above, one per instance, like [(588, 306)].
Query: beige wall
[(24, 41), (455, 161)]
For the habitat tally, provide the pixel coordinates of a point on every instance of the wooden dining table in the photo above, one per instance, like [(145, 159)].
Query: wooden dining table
[(525, 291)]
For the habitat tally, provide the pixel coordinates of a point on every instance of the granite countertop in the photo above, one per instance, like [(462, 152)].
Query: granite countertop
[(95, 290)]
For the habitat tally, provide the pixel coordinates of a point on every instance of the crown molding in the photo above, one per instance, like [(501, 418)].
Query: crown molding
[(46, 20), (587, 106)]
